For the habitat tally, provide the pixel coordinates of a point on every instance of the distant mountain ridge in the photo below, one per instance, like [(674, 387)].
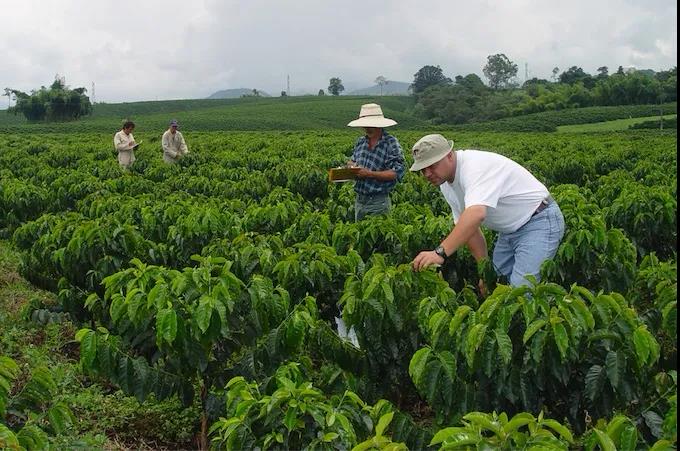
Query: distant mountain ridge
[(235, 93), (391, 88)]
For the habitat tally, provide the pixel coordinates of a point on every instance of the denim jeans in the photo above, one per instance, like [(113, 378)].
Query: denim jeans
[(376, 204), (522, 252)]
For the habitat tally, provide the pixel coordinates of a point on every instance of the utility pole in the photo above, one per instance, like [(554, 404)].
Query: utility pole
[(288, 85), (92, 110), (526, 72)]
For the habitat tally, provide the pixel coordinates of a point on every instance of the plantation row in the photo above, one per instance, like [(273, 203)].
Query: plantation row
[(549, 121), (671, 123), (287, 113), (218, 279)]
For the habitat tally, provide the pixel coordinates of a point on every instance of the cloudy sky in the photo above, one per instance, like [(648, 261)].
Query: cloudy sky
[(152, 49)]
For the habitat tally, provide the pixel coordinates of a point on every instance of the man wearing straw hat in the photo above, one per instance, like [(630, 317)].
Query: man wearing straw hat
[(380, 158), (490, 189)]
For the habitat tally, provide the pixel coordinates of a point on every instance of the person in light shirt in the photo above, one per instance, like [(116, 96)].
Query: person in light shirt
[(125, 145), (174, 146), (485, 188)]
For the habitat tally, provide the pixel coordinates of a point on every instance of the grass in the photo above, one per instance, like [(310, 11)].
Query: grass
[(106, 418), (609, 126)]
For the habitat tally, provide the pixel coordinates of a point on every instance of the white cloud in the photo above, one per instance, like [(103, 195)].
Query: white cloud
[(151, 49)]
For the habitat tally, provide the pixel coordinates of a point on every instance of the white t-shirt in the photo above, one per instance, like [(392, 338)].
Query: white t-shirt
[(510, 193)]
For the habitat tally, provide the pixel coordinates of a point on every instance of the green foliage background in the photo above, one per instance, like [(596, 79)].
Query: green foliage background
[(231, 266)]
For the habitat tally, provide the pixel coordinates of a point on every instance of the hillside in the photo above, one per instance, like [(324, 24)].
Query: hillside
[(391, 88), (274, 113), (307, 113), (235, 93)]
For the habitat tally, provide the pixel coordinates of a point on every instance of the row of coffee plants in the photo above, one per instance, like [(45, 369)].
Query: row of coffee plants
[(220, 278), (548, 121)]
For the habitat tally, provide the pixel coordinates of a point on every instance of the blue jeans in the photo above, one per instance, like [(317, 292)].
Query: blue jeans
[(523, 251), (372, 204)]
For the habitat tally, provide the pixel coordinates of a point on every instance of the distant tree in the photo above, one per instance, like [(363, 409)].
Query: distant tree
[(662, 76), (283, 94), (499, 70), (555, 71), (620, 71), (256, 93), (321, 93), (533, 86), (602, 72), (472, 83), (58, 103), (428, 76), (646, 72), (380, 81), (8, 94), (335, 86), (574, 75)]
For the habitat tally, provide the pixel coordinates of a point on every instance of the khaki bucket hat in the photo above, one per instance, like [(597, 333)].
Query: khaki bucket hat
[(428, 150), (371, 115)]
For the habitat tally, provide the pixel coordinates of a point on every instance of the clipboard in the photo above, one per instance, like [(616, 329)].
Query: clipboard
[(339, 175)]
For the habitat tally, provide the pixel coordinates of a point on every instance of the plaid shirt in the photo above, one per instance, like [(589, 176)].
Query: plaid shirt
[(386, 155)]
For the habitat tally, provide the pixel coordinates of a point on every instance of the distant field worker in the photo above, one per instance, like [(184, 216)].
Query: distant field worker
[(125, 144), (380, 157), (174, 146), (490, 189)]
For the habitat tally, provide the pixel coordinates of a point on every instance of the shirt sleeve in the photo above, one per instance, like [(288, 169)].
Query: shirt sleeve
[(395, 159), (119, 143), (183, 145)]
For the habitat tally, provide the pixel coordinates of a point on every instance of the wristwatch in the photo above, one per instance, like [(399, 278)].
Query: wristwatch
[(439, 250)]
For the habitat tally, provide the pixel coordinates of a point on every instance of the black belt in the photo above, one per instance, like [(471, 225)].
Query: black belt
[(544, 204), (364, 197)]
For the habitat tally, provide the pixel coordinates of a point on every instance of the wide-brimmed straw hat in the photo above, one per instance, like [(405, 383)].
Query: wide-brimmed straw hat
[(428, 150), (371, 115)]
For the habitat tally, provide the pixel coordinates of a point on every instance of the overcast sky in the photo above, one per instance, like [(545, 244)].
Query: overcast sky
[(152, 49)]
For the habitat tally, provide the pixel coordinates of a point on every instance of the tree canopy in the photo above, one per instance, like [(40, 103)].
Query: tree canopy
[(470, 100), (428, 76), (335, 86), (58, 103), (500, 71)]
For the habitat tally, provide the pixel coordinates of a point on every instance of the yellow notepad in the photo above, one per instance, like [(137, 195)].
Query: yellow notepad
[(337, 175)]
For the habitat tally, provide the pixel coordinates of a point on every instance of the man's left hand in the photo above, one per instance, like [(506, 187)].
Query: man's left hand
[(425, 259)]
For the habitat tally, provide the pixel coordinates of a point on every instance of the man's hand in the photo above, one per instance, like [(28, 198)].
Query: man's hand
[(425, 259), (364, 174), (482, 288)]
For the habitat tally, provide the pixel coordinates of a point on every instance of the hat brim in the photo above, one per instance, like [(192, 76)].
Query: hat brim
[(420, 165), (379, 122)]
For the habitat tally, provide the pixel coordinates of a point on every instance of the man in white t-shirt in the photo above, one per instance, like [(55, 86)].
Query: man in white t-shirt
[(485, 188)]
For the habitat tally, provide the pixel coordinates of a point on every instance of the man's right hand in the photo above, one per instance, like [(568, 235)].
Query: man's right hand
[(482, 288), (425, 259)]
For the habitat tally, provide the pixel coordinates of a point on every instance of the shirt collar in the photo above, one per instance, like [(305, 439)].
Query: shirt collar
[(383, 136)]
